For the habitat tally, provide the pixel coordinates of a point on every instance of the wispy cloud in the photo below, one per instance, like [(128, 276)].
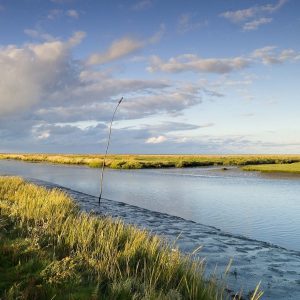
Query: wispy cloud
[(191, 62), (142, 5), (118, 49), (268, 55), (157, 36), (54, 13), (273, 8), (57, 13), (37, 34), (253, 25), (123, 47), (167, 127), (187, 22), (253, 17), (72, 13), (241, 15), (170, 100)]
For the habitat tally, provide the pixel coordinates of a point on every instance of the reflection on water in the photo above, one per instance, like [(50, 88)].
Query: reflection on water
[(246, 203)]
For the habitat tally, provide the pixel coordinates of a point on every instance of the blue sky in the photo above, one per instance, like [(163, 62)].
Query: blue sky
[(196, 76)]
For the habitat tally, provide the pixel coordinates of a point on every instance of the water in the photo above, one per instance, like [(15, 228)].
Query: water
[(261, 207)]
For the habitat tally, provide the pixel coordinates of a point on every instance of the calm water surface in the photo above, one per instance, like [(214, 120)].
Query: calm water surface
[(261, 207)]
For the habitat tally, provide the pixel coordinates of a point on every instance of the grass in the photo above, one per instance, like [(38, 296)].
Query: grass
[(155, 161), (284, 168), (49, 249)]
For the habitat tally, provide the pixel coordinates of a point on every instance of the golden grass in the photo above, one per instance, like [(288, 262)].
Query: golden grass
[(51, 250), (154, 161), (284, 168)]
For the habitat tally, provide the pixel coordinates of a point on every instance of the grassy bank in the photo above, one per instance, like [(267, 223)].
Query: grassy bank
[(284, 168), (155, 161), (51, 250)]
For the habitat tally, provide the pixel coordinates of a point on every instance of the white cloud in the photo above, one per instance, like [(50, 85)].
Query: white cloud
[(43, 135), (92, 101), (170, 101), (260, 52), (191, 62), (118, 49), (242, 82), (248, 13), (268, 55), (239, 15), (142, 5), (36, 34), (123, 47), (157, 36), (47, 90), (57, 13), (43, 82), (72, 13), (76, 38), (273, 8), (172, 126), (254, 16), (28, 73), (187, 23), (54, 13), (156, 140), (194, 63), (255, 24)]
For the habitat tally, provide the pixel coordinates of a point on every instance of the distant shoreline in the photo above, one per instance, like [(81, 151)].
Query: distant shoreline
[(248, 162), (293, 168)]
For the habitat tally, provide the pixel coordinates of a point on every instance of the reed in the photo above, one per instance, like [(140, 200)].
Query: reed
[(50, 249)]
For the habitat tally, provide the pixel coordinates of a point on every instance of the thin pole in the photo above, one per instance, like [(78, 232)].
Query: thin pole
[(107, 146)]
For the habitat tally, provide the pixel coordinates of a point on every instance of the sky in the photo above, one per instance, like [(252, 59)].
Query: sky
[(197, 77)]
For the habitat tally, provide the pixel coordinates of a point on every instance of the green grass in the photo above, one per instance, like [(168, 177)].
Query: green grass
[(155, 161), (51, 250), (284, 168)]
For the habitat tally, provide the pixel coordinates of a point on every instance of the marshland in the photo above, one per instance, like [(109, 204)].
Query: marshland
[(285, 163), (211, 194), (149, 150), (49, 249)]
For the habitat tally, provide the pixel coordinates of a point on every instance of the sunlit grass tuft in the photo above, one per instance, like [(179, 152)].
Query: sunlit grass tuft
[(49, 249)]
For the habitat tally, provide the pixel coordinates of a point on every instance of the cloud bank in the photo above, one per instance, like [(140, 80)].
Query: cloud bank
[(196, 64), (49, 93)]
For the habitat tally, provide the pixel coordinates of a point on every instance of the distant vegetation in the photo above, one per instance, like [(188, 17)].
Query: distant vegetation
[(155, 161), (51, 250), (286, 168)]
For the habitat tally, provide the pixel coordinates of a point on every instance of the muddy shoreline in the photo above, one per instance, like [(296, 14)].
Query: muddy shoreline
[(277, 268)]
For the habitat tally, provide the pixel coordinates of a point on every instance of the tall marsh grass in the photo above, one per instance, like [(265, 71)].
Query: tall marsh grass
[(155, 161), (49, 249), (283, 168)]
